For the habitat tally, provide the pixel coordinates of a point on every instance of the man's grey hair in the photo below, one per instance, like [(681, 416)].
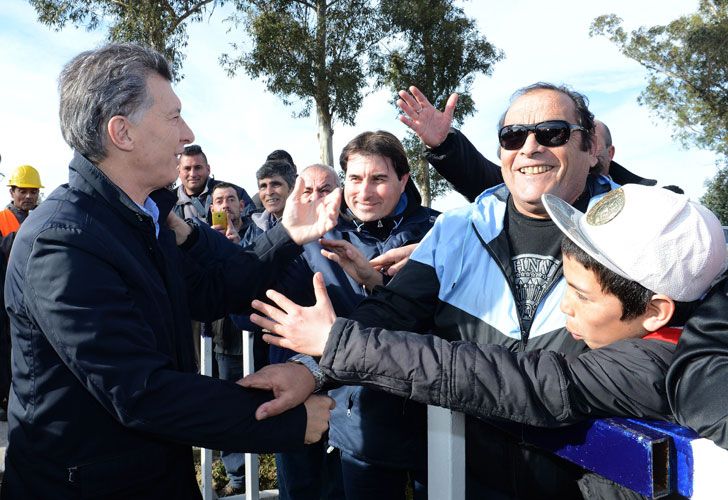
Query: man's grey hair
[(99, 84), (327, 168), (272, 168)]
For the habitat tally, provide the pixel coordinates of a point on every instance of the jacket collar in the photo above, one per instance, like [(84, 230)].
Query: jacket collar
[(88, 178), (487, 212)]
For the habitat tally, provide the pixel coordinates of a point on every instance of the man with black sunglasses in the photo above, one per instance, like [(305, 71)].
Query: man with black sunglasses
[(451, 153), (491, 273)]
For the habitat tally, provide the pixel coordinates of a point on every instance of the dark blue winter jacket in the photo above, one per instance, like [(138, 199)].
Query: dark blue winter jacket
[(376, 427), (106, 401)]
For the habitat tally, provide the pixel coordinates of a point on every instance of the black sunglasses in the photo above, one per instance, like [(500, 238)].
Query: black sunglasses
[(552, 133)]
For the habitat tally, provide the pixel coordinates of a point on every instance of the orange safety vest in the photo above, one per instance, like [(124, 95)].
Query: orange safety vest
[(8, 222)]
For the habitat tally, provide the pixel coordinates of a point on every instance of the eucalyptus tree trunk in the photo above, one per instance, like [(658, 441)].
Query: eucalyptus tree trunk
[(323, 112)]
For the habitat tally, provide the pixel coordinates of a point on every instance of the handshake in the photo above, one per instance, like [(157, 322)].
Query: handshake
[(292, 384)]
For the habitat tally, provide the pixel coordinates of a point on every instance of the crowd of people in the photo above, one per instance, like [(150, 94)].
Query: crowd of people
[(569, 288)]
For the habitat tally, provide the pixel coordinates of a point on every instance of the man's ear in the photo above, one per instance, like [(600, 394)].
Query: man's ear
[(118, 129), (403, 181), (659, 312), (593, 152)]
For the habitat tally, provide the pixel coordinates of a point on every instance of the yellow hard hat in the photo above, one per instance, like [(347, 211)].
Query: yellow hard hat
[(25, 176)]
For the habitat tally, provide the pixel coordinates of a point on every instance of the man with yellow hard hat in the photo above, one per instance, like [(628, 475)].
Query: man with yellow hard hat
[(24, 189)]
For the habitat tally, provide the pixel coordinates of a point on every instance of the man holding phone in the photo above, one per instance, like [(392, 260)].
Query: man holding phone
[(226, 218), (226, 211)]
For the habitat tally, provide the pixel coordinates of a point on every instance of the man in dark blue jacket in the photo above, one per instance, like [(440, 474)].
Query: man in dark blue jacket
[(106, 401), (381, 437)]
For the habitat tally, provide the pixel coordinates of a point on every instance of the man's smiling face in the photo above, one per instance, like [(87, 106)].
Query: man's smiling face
[(534, 169)]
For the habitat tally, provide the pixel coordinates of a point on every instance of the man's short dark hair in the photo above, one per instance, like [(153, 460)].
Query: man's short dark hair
[(225, 185), (271, 168), (585, 118), (282, 154), (194, 150), (379, 143), (633, 296)]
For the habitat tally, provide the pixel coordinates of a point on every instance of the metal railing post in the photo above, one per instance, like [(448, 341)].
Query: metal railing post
[(251, 460), (445, 454), (208, 491)]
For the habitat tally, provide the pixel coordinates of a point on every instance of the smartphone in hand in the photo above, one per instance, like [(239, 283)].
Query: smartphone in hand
[(219, 219)]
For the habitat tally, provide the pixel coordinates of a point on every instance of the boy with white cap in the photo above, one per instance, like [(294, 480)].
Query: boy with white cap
[(635, 264)]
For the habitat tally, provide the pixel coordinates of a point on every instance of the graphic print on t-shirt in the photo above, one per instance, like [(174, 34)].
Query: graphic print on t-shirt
[(532, 273)]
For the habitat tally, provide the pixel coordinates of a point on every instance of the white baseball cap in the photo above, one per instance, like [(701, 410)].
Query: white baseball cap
[(660, 239)]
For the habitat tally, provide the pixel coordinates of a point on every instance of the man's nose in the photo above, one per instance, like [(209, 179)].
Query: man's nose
[(367, 187), (531, 145), (186, 134)]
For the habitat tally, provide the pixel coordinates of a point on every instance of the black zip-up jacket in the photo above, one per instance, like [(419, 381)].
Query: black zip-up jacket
[(697, 382), (540, 388), (375, 427), (106, 401)]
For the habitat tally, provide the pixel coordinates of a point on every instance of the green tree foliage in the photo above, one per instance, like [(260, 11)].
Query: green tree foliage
[(309, 52), (687, 61), (159, 24), (437, 48), (716, 194)]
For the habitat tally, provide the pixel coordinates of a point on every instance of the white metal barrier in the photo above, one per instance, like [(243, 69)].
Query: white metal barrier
[(208, 491), (446, 451), (251, 460), (702, 467), (445, 454)]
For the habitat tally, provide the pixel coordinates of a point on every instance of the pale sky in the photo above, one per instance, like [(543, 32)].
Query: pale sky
[(237, 122)]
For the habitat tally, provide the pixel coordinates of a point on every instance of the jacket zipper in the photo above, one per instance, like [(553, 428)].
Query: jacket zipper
[(557, 275)]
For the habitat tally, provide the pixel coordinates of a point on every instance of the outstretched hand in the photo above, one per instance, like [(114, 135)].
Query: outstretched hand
[(307, 219), (302, 329), (352, 261), (391, 261), (430, 125)]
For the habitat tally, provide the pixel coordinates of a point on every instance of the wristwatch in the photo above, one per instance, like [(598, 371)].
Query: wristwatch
[(313, 367)]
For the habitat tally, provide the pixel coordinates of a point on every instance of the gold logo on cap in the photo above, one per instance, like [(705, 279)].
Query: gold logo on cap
[(607, 208)]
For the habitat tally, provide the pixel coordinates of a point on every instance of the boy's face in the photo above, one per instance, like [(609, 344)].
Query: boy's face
[(591, 314)]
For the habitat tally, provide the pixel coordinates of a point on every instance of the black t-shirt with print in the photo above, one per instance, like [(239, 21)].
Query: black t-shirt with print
[(535, 259)]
